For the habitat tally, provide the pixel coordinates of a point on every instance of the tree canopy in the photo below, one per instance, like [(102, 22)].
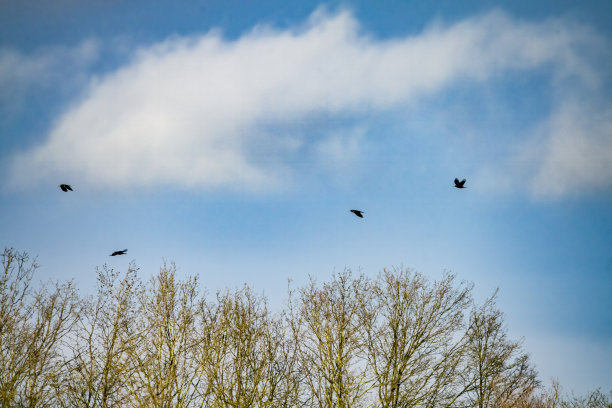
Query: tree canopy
[(397, 340)]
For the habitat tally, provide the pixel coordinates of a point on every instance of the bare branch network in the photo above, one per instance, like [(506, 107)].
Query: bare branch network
[(399, 340)]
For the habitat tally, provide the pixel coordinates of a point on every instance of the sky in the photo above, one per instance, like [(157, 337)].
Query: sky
[(233, 137)]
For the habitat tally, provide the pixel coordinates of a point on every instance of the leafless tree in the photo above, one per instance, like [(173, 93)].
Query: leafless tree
[(162, 362), (97, 353), (501, 374), (244, 353), (33, 322), (595, 399), (413, 339), (330, 339)]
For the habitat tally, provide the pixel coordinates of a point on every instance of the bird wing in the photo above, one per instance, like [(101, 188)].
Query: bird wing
[(68, 187), (462, 182), (63, 187), (456, 181)]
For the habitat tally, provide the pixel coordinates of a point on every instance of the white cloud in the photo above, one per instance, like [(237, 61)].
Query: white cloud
[(185, 111), (576, 153), (339, 152)]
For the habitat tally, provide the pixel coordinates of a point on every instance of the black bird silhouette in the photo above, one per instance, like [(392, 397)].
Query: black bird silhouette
[(119, 252), (65, 187), (459, 184), (357, 213)]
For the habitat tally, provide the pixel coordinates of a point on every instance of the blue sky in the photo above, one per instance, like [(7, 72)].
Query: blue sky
[(233, 137)]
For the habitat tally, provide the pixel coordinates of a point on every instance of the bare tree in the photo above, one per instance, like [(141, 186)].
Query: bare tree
[(501, 374), (552, 398), (537, 397), (413, 344), (244, 354), (32, 325), (330, 340), (595, 399), (164, 369), (98, 349)]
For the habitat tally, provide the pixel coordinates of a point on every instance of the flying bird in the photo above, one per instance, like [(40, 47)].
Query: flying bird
[(459, 184), (119, 252), (65, 187), (357, 213)]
